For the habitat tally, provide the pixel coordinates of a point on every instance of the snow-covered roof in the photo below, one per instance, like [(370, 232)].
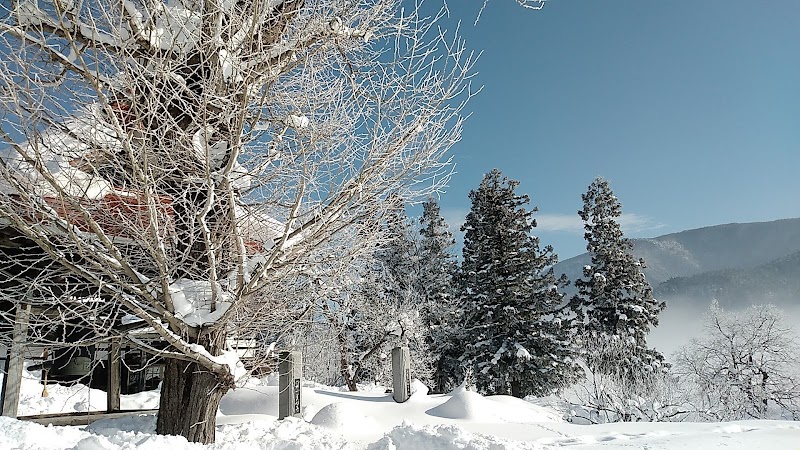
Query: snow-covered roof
[(57, 154), (52, 166)]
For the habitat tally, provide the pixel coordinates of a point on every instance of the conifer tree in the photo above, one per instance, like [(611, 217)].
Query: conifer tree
[(396, 256), (510, 296), (436, 267), (614, 303)]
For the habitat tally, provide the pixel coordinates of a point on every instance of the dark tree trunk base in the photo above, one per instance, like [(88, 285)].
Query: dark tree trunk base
[(344, 365), (190, 397), (515, 389)]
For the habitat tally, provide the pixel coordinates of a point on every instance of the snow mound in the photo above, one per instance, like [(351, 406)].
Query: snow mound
[(467, 405), (139, 433), (516, 410), (444, 437), (418, 389), (15, 434), (256, 400), (70, 399), (286, 434), (343, 417)]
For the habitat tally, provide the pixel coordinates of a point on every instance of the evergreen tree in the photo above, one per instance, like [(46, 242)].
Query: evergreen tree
[(510, 296), (436, 268), (396, 256), (614, 303)]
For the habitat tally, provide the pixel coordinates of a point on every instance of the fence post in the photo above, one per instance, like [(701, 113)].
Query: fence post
[(15, 359), (114, 374), (401, 374), (290, 375)]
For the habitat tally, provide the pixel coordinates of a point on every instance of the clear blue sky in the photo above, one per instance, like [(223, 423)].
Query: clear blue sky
[(691, 108)]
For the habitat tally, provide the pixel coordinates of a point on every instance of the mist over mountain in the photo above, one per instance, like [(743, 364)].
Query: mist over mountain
[(735, 264), (777, 282), (735, 246)]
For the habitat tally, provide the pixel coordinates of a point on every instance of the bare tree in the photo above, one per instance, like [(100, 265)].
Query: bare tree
[(369, 313), (175, 164), (745, 366), (606, 394), (527, 4)]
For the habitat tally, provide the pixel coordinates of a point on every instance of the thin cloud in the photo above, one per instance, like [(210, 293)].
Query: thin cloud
[(570, 223), (636, 223), (454, 217), (631, 223)]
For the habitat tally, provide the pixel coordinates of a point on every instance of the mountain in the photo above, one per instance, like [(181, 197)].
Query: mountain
[(776, 282), (737, 264), (722, 257)]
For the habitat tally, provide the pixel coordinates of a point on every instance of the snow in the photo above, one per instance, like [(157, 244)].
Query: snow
[(370, 420), (298, 121), (192, 300), (522, 352), (56, 155), (259, 227), (176, 28), (466, 405), (226, 64), (70, 399)]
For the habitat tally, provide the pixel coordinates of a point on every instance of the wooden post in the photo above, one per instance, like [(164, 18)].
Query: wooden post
[(15, 359), (4, 367), (114, 375), (290, 375), (401, 374), (45, 354)]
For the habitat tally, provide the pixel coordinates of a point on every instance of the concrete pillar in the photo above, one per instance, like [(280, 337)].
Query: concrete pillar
[(114, 375), (15, 360), (290, 375), (401, 374)]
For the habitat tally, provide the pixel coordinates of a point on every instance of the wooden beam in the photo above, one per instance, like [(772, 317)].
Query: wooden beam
[(4, 351), (14, 362), (83, 418), (114, 375)]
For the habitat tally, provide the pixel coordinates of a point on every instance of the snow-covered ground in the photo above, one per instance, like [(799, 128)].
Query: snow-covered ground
[(370, 419)]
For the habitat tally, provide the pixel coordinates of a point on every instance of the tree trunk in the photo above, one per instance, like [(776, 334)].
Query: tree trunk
[(349, 379), (190, 397), (515, 389), (344, 365)]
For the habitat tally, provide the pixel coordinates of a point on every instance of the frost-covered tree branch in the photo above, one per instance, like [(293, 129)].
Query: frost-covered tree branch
[(745, 366), (181, 164), (527, 4)]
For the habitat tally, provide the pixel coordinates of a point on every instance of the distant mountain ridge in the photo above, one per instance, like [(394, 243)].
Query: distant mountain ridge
[(776, 282), (737, 262)]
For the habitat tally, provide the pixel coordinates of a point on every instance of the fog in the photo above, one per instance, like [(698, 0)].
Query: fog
[(683, 320)]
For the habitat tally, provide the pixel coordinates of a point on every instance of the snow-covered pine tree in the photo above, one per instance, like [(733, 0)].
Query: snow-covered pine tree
[(396, 255), (510, 296), (614, 303), (437, 267)]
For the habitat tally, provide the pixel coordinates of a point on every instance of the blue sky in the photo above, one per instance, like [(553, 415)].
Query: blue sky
[(690, 108)]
